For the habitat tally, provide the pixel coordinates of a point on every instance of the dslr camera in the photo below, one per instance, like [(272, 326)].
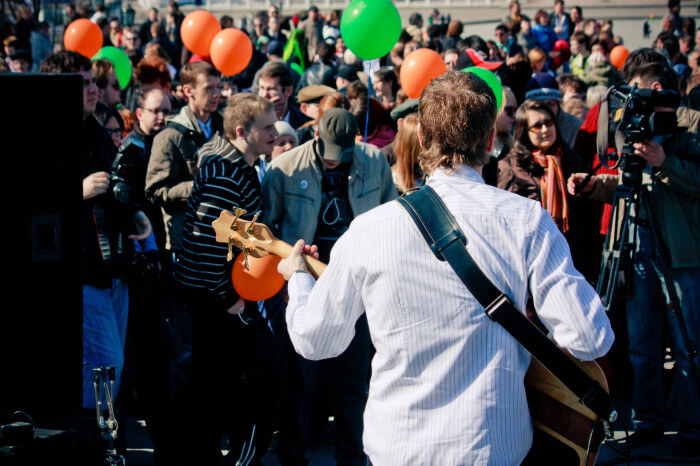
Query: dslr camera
[(128, 171), (119, 186), (627, 115)]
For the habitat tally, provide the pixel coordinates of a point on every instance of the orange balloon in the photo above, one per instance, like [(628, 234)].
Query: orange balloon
[(198, 30), (261, 282), (419, 68), (84, 37), (231, 51), (618, 55)]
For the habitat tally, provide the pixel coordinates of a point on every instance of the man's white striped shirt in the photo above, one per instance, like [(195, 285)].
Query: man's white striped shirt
[(447, 382)]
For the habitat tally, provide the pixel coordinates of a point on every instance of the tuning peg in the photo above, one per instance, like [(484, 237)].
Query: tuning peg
[(229, 256), (238, 212), (251, 230), (246, 251)]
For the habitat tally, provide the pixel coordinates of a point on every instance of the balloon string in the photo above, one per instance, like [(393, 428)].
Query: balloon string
[(369, 86)]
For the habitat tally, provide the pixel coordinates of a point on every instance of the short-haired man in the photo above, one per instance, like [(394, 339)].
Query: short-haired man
[(560, 20), (105, 231), (173, 161), (151, 113), (437, 353), (313, 29), (672, 178), (313, 192), (276, 84), (108, 88), (235, 359)]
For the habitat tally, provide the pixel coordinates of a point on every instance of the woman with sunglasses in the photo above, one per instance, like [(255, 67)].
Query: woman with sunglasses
[(540, 162)]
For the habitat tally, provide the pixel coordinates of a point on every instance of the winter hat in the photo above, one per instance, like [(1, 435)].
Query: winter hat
[(543, 86)]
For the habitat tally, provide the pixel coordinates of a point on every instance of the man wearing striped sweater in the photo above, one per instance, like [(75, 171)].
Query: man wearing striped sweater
[(234, 355)]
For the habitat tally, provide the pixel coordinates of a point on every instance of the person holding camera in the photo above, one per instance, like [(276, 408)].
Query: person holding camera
[(672, 177), (106, 228)]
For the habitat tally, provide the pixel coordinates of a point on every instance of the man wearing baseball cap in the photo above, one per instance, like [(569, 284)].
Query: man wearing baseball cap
[(313, 192)]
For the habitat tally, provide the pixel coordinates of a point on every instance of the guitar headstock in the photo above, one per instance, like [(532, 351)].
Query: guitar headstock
[(249, 236)]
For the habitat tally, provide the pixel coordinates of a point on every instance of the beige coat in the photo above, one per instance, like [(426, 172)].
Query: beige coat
[(291, 201)]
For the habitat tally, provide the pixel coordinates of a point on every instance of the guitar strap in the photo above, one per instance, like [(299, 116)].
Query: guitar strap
[(448, 243)]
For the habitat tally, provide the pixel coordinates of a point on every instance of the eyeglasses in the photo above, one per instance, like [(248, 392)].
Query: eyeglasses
[(509, 110), (114, 131), (537, 127), (158, 111)]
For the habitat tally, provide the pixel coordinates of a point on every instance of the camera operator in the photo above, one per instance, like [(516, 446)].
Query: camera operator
[(106, 227), (672, 178)]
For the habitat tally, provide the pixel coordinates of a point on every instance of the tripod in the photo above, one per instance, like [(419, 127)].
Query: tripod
[(620, 244), (104, 382)]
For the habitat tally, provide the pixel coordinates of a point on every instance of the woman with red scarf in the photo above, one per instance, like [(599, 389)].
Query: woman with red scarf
[(540, 163)]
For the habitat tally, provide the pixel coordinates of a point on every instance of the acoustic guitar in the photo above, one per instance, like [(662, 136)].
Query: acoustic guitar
[(562, 420)]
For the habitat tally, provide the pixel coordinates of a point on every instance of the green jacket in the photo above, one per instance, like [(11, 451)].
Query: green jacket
[(602, 73), (291, 201), (674, 192), (172, 167)]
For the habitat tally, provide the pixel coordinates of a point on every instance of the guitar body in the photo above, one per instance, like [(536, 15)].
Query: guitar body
[(560, 418)]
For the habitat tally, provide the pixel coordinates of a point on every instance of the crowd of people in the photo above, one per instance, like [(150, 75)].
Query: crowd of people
[(308, 138)]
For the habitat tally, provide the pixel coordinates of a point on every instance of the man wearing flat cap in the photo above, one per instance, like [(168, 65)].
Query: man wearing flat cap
[(313, 192), (309, 98)]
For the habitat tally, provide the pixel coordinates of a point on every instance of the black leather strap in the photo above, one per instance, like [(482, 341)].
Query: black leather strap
[(447, 241)]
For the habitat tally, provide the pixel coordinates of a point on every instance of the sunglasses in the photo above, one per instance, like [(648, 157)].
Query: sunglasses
[(537, 127), (114, 131)]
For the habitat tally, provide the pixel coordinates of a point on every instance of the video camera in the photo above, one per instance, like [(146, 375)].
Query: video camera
[(626, 115)]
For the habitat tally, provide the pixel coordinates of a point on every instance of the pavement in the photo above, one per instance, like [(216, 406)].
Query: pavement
[(612, 452)]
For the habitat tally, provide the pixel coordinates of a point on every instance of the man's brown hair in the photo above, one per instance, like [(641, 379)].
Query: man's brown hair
[(457, 112), (242, 109), (101, 69), (189, 72), (278, 69)]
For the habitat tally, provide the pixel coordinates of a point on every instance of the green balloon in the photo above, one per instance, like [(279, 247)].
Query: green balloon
[(120, 60), (370, 28), (491, 79)]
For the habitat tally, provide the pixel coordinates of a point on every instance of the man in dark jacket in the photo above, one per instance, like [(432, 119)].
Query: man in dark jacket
[(276, 84), (236, 361), (173, 163), (107, 228), (323, 70)]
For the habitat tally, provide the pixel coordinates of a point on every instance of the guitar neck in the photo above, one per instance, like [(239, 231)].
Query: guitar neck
[(283, 249)]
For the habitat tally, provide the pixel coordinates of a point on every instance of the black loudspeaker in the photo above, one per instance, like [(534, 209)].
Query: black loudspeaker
[(41, 187)]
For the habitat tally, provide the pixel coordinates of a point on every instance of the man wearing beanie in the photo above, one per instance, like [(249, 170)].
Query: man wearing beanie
[(544, 87), (313, 192)]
